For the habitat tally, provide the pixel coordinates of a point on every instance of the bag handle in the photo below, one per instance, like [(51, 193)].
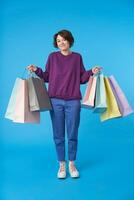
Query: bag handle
[(29, 74)]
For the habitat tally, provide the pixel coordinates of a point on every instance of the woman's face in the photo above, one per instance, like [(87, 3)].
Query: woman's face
[(62, 44)]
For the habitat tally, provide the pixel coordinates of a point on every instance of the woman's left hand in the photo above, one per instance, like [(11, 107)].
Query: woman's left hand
[(96, 69)]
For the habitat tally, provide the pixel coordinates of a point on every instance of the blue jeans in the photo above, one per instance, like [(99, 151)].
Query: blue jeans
[(65, 112)]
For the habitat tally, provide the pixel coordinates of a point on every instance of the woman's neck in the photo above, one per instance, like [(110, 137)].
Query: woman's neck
[(66, 52)]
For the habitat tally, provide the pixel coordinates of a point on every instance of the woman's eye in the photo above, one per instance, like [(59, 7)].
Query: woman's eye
[(58, 41)]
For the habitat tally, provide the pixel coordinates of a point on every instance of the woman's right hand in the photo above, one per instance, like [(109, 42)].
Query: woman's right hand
[(32, 68)]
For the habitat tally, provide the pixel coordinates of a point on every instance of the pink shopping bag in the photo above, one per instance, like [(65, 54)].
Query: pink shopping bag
[(89, 97)]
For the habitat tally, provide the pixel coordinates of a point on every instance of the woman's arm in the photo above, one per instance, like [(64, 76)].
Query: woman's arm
[(44, 75), (85, 75), (39, 72)]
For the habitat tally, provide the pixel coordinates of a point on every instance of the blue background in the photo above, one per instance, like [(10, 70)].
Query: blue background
[(104, 35)]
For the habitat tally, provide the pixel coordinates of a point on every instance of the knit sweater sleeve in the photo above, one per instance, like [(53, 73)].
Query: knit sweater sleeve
[(84, 75), (44, 74)]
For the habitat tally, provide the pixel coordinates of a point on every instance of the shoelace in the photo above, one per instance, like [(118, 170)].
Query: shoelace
[(62, 167), (72, 168)]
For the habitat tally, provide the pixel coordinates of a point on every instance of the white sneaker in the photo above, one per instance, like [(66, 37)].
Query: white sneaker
[(74, 173), (62, 170)]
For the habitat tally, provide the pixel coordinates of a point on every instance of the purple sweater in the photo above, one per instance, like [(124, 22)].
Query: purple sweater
[(64, 74)]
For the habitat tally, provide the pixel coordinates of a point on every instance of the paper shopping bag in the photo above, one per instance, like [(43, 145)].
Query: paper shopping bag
[(89, 97), (12, 101), (121, 99), (19, 104), (112, 110), (100, 96), (38, 95)]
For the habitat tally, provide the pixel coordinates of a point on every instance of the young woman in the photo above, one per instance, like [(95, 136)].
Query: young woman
[(65, 72)]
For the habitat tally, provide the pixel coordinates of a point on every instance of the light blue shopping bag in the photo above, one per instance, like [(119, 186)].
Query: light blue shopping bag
[(100, 96)]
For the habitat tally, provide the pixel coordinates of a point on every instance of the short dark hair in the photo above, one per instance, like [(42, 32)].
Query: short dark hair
[(67, 35)]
